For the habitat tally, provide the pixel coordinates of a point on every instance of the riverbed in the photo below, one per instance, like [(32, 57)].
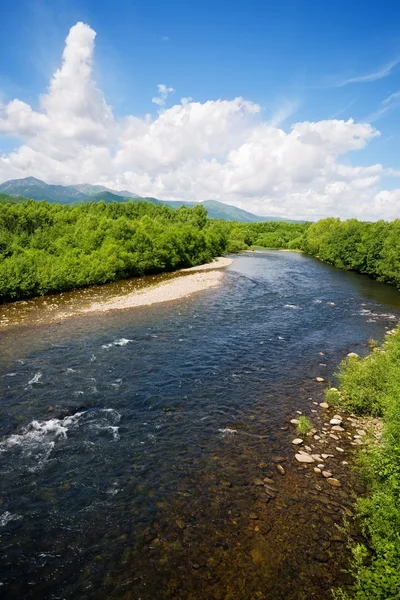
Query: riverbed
[(131, 441)]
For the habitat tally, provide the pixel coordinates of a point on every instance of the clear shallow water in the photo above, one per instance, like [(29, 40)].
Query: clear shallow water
[(129, 441)]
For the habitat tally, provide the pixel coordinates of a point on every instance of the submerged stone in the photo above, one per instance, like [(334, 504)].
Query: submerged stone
[(334, 482), (297, 441), (304, 458)]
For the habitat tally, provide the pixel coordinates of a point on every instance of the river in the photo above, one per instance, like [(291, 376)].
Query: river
[(130, 441)]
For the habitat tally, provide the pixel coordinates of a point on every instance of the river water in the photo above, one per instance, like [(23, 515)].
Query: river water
[(130, 441)]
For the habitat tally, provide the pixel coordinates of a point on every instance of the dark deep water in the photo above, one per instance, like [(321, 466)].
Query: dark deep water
[(120, 477)]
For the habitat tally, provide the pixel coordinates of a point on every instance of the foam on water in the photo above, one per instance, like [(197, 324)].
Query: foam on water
[(35, 443), (35, 378), (227, 431), (6, 517), (121, 342)]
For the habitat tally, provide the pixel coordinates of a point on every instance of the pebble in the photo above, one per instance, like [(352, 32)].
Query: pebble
[(361, 432), (353, 354), (337, 428), (317, 470), (344, 462), (320, 466), (326, 474), (334, 437), (334, 482), (324, 405), (316, 457), (327, 455), (304, 458), (294, 421), (308, 448), (339, 449), (335, 421), (268, 480), (297, 441), (319, 379), (281, 469), (317, 437), (258, 482)]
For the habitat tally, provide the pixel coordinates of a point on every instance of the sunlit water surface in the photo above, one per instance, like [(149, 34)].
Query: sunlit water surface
[(130, 440)]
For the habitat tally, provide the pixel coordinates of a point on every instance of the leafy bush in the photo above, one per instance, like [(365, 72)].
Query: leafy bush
[(372, 386)]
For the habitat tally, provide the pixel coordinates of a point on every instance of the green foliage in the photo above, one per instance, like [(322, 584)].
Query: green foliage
[(47, 248), (372, 386), (304, 425), (371, 248), (271, 234)]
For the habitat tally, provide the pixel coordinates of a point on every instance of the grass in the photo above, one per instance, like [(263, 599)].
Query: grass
[(372, 387), (304, 425)]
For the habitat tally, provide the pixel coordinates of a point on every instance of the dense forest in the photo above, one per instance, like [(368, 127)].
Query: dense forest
[(49, 247)]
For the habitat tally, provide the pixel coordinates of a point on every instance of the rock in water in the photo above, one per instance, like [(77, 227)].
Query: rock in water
[(334, 482), (327, 474), (304, 458), (297, 441), (319, 379)]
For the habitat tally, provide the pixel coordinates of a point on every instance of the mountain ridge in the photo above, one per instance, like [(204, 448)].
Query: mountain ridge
[(31, 187)]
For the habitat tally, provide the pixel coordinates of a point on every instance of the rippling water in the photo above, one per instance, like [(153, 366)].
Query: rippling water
[(130, 440)]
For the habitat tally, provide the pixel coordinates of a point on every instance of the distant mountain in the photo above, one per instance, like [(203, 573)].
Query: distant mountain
[(33, 188), (90, 190)]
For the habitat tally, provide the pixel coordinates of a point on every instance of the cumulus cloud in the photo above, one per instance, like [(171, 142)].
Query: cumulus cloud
[(220, 149)]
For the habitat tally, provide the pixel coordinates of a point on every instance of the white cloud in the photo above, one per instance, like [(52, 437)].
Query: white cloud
[(374, 76), (221, 149), (386, 106), (164, 91)]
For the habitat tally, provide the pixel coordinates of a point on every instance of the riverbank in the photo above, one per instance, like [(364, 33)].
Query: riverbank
[(204, 277), (371, 386), (129, 293)]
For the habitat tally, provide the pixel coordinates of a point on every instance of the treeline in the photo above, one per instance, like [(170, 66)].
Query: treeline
[(49, 247), (371, 248)]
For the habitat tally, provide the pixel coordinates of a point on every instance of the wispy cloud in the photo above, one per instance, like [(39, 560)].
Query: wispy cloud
[(343, 110), (286, 109), (380, 74), (386, 106), (389, 99)]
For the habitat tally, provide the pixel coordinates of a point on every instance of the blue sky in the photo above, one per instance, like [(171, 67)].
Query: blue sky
[(298, 61)]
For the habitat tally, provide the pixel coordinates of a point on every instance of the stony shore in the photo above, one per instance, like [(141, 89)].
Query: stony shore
[(203, 277), (129, 293)]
